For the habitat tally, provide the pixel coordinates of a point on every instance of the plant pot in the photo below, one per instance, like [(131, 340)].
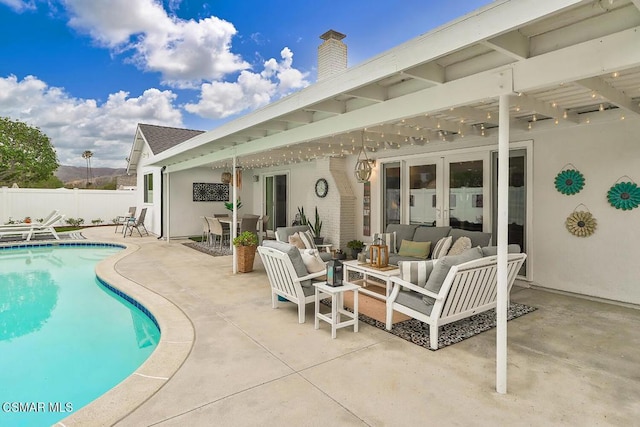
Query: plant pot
[(355, 252), (246, 256), (318, 240)]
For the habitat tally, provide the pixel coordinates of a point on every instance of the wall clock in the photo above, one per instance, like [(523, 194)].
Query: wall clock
[(322, 187)]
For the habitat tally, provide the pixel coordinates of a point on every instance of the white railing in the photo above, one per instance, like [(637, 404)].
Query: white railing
[(90, 205)]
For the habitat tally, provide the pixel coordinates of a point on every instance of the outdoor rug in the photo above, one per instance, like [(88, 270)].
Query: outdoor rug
[(203, 247), (417, 332)]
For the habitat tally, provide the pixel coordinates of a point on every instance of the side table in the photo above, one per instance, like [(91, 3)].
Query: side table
[(337, 306)]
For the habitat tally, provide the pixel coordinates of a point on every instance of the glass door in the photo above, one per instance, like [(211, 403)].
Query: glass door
[(391, 194), (275, 200), (425, 188), (464, 204)]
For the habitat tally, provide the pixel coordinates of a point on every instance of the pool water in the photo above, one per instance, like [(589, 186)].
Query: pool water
[(65, 338)]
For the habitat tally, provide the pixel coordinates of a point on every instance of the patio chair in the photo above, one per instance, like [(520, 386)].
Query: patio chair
[(136, 223), (46, 228), (123, 219), (216, 230), (27, 231), (249, 223), (205, 230), (288, 275), (468, 288), (263, 222)]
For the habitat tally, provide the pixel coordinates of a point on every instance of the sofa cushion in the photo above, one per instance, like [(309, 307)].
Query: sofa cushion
[(403, 232), (307, 239), (414, 300), (442, 267), (388, 239), (283, 233), (414, 249), (478, 238), (430, 234), (459, 246), (313, 262), (394, 259), (294, 255), (442, 247), (416, 272), (493, 250), (296, 241)]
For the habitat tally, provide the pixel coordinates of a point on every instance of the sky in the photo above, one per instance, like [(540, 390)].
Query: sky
[(86, 72)]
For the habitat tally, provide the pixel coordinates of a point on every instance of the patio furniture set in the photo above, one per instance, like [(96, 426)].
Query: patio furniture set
[(437, 292), (26, 231)]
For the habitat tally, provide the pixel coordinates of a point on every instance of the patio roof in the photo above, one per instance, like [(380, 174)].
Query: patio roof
[(565, 60)]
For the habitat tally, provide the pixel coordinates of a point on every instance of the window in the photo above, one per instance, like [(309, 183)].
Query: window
[(148, 188)]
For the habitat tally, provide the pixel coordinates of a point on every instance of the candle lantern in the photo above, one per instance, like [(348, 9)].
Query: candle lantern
[(379, 255), (334, 273)]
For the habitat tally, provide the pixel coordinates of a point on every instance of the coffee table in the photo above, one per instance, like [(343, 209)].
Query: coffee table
[(372, 281)]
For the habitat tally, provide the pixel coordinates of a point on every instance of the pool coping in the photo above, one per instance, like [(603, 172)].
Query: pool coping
[(177, 337)]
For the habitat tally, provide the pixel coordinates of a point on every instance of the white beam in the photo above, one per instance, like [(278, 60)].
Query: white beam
[(636, 3), (464, 91), (429, 72), (539, 107), (612, 94), (298, 116), (512, 44), (615, 52), (372, 92), (329, 106), (503, 238)]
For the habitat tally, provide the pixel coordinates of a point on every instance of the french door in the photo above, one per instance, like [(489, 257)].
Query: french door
[(275, 200), (447, 190)]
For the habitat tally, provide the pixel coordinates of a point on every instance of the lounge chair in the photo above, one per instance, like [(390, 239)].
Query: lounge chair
[(136, 223), (27, 231)]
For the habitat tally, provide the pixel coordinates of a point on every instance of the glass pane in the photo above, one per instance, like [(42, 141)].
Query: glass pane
[(465, 195), (422, 194), (281, 201), (269, 205), (391, 182)]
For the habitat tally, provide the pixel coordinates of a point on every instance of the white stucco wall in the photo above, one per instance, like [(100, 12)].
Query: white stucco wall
[(605, 264)]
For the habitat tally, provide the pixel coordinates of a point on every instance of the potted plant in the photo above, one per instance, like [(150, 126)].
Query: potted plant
[(27, 220), (316, 228), (246, 245), (356, 247), (229, 205)]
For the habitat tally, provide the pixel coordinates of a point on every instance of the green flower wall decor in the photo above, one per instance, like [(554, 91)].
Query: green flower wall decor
[(624, 195), (569, 181)]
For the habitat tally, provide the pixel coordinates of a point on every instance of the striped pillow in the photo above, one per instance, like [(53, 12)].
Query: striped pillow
[(307, 239), (441, 248), (388, 239), (416, 272)]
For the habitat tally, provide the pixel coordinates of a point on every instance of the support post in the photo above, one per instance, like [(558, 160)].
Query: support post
[(503, 238), (234, 227)]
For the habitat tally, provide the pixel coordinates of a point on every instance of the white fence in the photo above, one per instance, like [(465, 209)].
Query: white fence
[(90, 205)]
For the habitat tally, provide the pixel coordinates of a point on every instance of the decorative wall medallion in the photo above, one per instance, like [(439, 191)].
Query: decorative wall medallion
[(581, 223), (624, 195), (569, 181)]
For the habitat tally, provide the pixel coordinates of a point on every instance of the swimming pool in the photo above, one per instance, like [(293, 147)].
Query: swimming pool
[(65, 337)]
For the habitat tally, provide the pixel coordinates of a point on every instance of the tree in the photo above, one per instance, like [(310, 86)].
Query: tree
[(87, 156), (26, 154)]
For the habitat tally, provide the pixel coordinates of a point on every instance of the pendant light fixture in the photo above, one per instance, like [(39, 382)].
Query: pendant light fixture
[(226, 175), (363, 167)]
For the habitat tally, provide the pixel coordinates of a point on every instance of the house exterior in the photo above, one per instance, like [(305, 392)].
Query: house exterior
[(555, 82)]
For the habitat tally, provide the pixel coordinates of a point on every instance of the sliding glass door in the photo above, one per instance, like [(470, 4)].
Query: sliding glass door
[(275, 200)]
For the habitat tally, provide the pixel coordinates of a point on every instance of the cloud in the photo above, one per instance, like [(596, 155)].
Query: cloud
[(20, 5), (188, 54), (250, 90), (75, 125), (184, 52)]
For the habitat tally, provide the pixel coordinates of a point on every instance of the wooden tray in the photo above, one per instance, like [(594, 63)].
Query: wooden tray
[(388, 267)]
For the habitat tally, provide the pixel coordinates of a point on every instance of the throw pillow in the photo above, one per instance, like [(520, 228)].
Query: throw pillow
[(459, 246), (313, 262), (416, 272), (296, 241), (388, 239), (307, 239), (414, 249), (442, 247), (442, 267)]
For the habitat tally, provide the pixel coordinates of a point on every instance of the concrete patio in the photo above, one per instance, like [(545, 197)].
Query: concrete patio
[(571, 362)]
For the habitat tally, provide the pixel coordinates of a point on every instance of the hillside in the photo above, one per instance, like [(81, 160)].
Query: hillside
[(77, 175)]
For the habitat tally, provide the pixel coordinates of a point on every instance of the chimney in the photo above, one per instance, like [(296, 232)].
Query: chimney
[(332, 54)]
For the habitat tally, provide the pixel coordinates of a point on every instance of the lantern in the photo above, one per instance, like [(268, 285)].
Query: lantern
[(379, 255), (334, 273)]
